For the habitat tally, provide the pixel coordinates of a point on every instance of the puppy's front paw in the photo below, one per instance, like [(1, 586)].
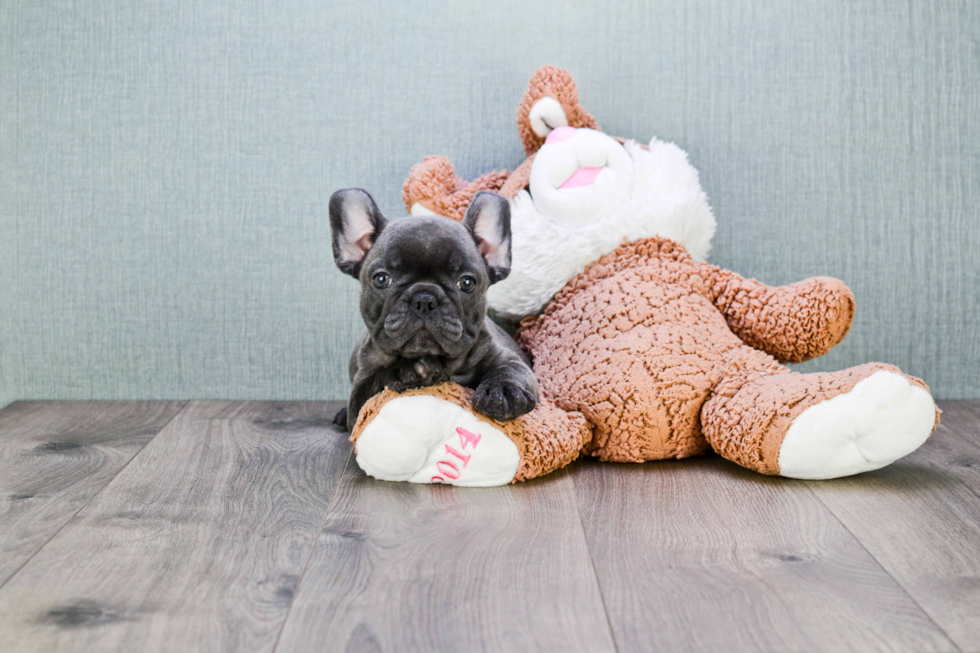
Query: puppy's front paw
[(340, 419), (503, 400)]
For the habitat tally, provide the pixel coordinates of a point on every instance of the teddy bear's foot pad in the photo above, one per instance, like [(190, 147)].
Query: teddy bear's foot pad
[(423, 439), (883, 418)]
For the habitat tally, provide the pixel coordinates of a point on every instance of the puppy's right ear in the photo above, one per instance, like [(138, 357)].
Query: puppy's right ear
[(355, 223)]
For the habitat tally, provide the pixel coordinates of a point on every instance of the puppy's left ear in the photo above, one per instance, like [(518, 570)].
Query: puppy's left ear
[(355, 223), (488, 219)]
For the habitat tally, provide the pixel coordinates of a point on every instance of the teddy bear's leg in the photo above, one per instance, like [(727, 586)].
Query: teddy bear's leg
[(816, 426), (432, 435)]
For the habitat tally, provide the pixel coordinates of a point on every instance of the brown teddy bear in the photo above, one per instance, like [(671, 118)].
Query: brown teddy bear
[(642, 351)]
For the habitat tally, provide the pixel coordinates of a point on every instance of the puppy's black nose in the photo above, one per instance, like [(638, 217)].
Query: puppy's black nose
[(424, 303)]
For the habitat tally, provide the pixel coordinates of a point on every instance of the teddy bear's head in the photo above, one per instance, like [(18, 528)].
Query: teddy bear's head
[(579, 195), (580, 175), (588, 193)]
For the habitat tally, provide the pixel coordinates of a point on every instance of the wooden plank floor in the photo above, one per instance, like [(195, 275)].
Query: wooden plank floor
[(247, 526)]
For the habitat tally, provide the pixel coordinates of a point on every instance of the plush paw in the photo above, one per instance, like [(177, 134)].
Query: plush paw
[(429, 180), (503, 400), (883, 418), (424, 439)]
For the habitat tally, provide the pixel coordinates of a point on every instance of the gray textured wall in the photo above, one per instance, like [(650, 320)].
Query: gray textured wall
[(165, 167)]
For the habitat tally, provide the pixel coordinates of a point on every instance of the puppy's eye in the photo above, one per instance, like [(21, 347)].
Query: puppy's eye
[(381, 280), (466, 283)]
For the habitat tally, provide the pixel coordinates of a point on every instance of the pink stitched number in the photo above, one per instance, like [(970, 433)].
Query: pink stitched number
[(448, 469), (466, 437), (439, 466), (465, 457)]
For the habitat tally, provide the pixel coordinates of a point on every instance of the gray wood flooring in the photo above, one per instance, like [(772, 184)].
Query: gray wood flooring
[(247, 526)]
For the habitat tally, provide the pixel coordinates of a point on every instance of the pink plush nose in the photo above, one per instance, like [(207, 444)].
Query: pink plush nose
[(560, 134)]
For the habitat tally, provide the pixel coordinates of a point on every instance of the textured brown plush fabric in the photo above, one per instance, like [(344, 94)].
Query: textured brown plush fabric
[(557, 83), (518, 180), (641, 344), (547, 438), (753, 406), (814, 314), (635, 345), (434, 184)]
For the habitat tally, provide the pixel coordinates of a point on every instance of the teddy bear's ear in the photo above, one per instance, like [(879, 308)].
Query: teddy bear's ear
[(551, 101)]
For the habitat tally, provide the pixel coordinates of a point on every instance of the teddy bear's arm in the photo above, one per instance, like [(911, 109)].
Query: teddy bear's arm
[(454, 205), (792, 323), (434, 185), (518, 180)]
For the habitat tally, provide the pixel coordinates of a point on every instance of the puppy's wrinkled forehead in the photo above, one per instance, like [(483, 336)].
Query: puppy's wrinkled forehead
[(427, 245)]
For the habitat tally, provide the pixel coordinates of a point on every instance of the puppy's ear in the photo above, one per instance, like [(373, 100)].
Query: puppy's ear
[(355, 223), (488, 219)]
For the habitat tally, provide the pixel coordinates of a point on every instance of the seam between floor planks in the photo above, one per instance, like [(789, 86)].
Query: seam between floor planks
[(71, 446), (955, 439), (265, 437), (702, 582), (183, 405), (309, 557), (595, 572), (401, 566), (897, 582), (960, 433), (956, 432)]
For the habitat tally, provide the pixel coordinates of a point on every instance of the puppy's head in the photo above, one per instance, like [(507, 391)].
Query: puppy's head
[(423, 279)]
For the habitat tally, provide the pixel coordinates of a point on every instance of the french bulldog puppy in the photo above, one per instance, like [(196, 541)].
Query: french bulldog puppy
[(423, 298)]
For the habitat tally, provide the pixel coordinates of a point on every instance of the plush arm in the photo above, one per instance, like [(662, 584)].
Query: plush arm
[(792, 323), (518, 180), (434, 185)]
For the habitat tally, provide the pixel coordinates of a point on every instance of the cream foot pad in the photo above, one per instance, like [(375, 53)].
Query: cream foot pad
[(424, 439), (883, 418)]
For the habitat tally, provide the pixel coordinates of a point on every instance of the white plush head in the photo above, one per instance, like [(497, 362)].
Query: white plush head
[(588, 194), (579, 174)]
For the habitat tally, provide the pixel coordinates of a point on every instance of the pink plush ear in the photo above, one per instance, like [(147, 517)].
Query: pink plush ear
[(488, 219), (355, 223)]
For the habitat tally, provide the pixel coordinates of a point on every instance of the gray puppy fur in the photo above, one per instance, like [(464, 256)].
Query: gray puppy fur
[(423, 298)]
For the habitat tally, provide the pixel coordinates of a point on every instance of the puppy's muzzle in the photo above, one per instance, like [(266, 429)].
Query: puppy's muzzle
[(424, 312)]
